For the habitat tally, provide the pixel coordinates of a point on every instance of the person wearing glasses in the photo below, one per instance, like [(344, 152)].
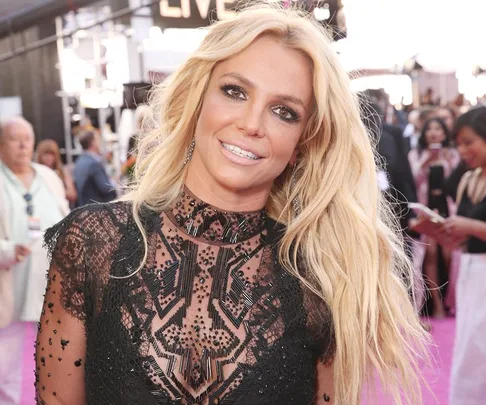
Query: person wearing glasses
[(32, 198)]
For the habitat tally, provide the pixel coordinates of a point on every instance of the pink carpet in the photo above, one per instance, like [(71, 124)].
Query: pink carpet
[(437, 377)]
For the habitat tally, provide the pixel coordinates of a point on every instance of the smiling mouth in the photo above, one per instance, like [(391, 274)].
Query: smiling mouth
[(240, 152)]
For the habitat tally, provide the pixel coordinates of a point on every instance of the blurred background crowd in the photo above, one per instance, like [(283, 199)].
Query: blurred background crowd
[(74, 77)]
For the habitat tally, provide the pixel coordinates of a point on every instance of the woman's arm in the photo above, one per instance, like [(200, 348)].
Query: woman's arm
[(478, 229), (61, 340), (460, 228), (60, 350)]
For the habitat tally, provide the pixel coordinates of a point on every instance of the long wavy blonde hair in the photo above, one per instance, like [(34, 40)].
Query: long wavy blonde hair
[(345, 234)]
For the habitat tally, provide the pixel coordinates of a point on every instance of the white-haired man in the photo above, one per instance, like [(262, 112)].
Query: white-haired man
[(32, 198)]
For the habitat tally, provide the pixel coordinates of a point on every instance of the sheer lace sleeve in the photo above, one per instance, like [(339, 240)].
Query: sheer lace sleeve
[(320, 322), (324, 384), (61, 341)]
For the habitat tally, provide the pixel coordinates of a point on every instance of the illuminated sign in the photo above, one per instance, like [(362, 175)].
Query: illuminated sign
[(201, 13), (194, 10)]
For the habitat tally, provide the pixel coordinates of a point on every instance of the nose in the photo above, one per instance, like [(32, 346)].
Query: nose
[(251, 120), (24, 142)]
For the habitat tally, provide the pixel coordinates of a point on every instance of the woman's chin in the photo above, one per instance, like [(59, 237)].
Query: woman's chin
[(236, 183)]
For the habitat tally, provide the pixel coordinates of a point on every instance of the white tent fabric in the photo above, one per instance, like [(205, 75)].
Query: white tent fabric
[(443, 35)]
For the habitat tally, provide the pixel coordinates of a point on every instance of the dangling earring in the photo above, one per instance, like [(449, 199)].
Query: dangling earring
[(190, 151), (296, 205)]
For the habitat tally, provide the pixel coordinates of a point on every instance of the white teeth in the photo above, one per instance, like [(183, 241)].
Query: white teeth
[(239, 152)]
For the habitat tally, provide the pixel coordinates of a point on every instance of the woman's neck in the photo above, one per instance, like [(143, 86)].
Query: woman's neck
[(21, 170), (216, 194)]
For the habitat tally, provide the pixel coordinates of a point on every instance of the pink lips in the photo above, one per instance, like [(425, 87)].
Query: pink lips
[(243, 146), (239, 160)]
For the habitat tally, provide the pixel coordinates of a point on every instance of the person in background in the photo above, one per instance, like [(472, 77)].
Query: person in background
[(396, 181), (450, 186), (47, 153), (127, 168), (412, 133), (411, 129), (448, 115), (432, 162), (129, 165), (468, 230), (92, 181), (32, 199), (399, 184)]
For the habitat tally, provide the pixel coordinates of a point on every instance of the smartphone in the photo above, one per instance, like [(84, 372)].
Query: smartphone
[(427, 212), (435, 146)]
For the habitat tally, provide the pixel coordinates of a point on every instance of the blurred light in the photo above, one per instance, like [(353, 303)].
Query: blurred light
[(72, 71), (89, 71), (119, 28), (174, 39), (81, 34), (117, 70), (398, 87), (155, 33), (322, 13)]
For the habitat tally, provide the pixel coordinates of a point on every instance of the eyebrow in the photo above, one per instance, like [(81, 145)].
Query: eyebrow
[(249, 83)]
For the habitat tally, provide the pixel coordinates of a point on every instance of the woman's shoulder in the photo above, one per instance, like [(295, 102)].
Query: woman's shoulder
[(469, 175), (116, 211), (466, 179), (91, 222)]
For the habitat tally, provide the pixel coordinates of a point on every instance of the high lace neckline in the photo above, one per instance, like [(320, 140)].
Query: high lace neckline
[(203, 221)]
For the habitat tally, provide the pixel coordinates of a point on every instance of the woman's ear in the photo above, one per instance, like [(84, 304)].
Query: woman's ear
[(294, 156)]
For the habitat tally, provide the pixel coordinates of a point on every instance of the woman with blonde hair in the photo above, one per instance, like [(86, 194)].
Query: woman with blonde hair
[(48, 154), (254, 261)]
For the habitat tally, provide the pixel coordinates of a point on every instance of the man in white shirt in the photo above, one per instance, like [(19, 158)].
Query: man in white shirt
[(32, 199)]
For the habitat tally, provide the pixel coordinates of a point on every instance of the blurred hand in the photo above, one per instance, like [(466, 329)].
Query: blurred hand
[(21, 252), (432, 230), (455, 231), (458, 226), (433, 155), (453, 242)]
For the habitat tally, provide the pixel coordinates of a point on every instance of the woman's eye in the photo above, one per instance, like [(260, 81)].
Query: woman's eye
[(234, 92), (286, 114)]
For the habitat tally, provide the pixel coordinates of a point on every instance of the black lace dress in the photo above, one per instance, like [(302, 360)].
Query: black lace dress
[(212, 318)]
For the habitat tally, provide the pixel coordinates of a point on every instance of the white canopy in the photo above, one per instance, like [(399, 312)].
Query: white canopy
[(443, 35)]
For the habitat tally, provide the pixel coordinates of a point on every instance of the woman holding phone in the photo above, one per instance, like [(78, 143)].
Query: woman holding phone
[(468, 229), (431, 163)]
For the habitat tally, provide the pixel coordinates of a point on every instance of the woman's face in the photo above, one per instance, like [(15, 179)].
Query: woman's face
[(47, 159), (471, 147), (434, 133), (253, 114)]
